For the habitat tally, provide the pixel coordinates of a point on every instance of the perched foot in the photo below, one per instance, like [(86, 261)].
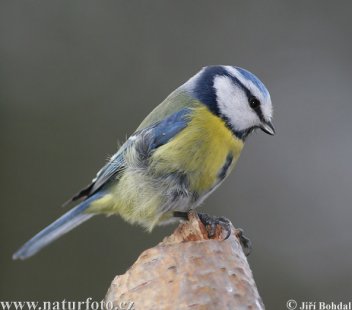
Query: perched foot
[(245, 242), (210, 222)]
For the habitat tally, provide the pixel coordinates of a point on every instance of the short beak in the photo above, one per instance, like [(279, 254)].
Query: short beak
[(268, 128)]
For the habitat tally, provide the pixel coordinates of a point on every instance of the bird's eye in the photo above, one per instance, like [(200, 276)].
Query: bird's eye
[(254, 103)]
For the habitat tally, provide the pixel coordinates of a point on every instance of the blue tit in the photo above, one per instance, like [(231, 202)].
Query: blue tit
[(181, 152)]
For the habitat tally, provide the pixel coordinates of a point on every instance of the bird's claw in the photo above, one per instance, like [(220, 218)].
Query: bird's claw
[(245, 242), (210, 222)]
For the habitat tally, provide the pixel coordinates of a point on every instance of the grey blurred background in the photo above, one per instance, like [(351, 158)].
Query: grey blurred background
[(78, 76)]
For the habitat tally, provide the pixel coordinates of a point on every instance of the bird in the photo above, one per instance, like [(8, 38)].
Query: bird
[(180, 154)]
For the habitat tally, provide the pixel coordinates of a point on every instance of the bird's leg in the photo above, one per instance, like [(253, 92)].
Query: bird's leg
[(181, 215), (210, 222)]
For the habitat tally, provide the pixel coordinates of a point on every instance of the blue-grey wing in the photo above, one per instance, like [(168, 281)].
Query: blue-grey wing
[(111, 169), (161, 132), (145, 141)]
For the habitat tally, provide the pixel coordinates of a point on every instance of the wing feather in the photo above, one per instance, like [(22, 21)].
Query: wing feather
[(145, 140)]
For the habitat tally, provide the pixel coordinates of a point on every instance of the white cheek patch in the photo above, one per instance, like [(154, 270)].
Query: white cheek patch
[(233, 103), (264, 98)]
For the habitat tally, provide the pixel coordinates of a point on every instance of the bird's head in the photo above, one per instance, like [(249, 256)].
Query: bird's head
[(235, 95)]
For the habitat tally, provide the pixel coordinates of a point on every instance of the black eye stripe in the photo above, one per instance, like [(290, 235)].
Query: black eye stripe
[(254, 103)]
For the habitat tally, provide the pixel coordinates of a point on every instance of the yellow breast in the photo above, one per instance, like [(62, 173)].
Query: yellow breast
[(200, 151)]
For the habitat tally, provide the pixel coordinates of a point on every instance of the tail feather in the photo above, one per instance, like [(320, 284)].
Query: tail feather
[(55, 230)]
